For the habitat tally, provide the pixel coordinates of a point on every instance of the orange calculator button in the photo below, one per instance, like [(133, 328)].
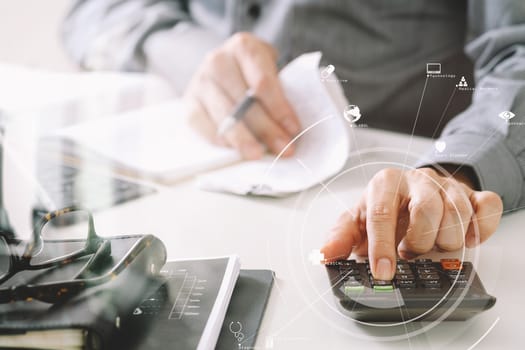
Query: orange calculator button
[(451, 264)]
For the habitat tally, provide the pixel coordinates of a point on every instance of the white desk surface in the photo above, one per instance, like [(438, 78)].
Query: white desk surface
[(279, 234)]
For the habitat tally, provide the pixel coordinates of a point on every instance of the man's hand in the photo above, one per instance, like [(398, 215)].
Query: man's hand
[(243, 62), (413, 211)]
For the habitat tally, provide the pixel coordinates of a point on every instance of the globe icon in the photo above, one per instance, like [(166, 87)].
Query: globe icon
[(352, 113)]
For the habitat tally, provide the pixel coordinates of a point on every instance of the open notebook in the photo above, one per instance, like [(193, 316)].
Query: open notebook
[(156, 142)]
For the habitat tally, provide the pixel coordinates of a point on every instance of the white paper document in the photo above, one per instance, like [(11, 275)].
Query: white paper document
[(151, 142), (157, 142), (321, 148)]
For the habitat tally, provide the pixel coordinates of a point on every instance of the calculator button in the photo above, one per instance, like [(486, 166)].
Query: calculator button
[(429, 277), (349, 272), (404, 276), (381, 285), (423, 261), (425, 266), (353, 287), (460, 283), (352, 283), (406, 283), (376, 282), (347, 267), (451, 264), (432, 284), (404, 271), (404, 266), (348, 263), (454, 273), (385, 288), (352, 278)]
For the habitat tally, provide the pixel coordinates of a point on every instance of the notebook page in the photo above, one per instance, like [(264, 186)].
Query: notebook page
[(153, 141), (321, 149), (156, 142)]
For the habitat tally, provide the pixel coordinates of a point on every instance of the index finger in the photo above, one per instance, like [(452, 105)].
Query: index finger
[(260, 73), (382, 209)]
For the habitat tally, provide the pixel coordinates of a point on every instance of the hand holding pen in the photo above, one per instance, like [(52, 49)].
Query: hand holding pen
[(236, 99)]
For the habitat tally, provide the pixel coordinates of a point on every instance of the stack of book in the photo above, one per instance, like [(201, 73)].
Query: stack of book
[(188, 304), (202, 305), (91, 318)]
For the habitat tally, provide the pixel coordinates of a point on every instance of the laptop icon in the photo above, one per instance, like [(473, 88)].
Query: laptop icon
[(433, 68)]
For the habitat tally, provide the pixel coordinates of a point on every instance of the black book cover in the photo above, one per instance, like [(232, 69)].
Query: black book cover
[(98, 310), (155, 328)]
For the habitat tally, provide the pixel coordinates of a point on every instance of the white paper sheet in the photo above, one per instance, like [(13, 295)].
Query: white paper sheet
[(321, 149), (154, 142), (157, 143)]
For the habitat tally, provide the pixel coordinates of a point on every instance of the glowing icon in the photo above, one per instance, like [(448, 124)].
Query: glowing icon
[(433, 68), (137, 311), (352, 113), (327, 71), (235, 329), (462, 82), (440, 146), (506, 115), (316, 257)]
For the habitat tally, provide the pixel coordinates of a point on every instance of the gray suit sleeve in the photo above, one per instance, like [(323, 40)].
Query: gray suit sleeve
[(479, 137), (108, 34), (137, 35)]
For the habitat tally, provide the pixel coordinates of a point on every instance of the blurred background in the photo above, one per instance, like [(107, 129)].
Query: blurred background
[(30, 34), (45, 95)]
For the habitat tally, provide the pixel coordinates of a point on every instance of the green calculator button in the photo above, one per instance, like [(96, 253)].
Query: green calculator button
[(387, 288), (353, 288)]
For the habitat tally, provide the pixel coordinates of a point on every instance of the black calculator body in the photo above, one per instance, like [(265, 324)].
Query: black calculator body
[(422, 290)]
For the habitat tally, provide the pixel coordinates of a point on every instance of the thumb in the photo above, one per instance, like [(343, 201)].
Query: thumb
[(488, 209)]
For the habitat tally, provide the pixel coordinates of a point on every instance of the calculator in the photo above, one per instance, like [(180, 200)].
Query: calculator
[(423, 290)]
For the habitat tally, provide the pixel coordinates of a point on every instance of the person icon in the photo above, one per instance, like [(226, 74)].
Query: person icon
[(462, 82)]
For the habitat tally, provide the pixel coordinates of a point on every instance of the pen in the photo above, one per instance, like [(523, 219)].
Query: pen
[(242, 107), (238, 112)]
